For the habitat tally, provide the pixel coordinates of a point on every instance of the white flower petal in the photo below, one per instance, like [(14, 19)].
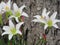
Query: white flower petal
[(53, 15), (15, 7), (0, 8), (10, 36), (35, 20), (48, 13), (16, 18), (21, 8), (5, 33), (9, 4), (40, 37), (55, 25), (44, 12), (55, 21), (24, 14), (19, 25), (3, 4), (12, 17), (11, 24), (45, 27), (19, 32), (6, 28), (37, 16), (43, 21), (1, 12)]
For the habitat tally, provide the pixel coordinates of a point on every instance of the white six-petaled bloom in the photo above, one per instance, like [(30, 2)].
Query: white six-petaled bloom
[(51, 21), (6, 6), (42, 17), (12, 29), (17, 12)]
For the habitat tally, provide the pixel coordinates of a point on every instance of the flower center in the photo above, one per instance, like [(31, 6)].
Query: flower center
[(13, 31), (49, 23), (42, 17), (6, 8), (17, 13)]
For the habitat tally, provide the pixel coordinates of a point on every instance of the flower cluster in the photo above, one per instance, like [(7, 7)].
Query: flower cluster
[(17, 13), (49, 21)]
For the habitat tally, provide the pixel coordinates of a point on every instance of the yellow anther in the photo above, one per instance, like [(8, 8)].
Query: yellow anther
[(6, 8)]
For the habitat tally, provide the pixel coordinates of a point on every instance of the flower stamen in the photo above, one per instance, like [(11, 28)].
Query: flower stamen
[(17, 13), (6, 8), (49, 22), (13, 31)]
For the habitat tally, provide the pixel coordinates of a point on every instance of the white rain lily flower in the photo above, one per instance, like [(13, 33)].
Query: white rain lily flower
[(11, 29), (42, 17), (6, 6), (51, 21), (17, 12)]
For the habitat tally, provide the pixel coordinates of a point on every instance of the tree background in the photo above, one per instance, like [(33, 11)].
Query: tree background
[(35, 7)]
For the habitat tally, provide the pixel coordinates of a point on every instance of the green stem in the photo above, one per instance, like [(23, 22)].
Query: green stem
[(1, 22), (8, 42), (23, 38), (2, 42), (8, 13), (13, 41), (38, 42), (25, 42), (20, 41)]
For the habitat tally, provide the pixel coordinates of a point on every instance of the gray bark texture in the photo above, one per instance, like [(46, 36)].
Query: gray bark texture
[(35, 7)]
